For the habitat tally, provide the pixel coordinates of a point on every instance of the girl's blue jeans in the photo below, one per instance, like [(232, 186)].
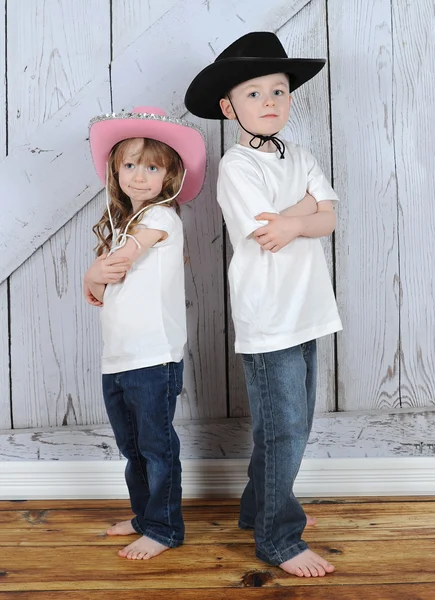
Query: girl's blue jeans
[(141, 406), (282, 391)]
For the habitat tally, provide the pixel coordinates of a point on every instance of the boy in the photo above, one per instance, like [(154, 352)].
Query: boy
[(281, 293)]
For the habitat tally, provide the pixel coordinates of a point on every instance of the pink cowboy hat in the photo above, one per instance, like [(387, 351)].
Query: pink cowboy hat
[(148, 122)]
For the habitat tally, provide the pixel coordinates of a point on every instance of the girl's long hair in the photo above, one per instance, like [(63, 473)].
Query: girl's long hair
[(152, 152)]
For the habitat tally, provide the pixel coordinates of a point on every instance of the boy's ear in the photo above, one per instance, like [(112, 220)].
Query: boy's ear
[(227, 109)]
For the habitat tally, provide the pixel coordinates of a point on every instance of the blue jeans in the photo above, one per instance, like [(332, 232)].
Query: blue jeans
[(282, 392), (141, 406)]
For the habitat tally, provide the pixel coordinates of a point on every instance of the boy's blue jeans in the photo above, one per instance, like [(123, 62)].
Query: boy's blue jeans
[(141, 405), (282, 391)]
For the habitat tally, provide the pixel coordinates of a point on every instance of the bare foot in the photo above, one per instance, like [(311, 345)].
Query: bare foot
[(311, 520), (142, 549), (307, 564), (122, 528)]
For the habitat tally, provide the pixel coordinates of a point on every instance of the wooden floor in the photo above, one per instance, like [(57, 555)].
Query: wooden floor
[(383, 549)]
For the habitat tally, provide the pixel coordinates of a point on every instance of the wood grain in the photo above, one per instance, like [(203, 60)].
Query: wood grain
[(53, 339), (210, 565), (408, 433), (419, 591), (56, 344), (204, 394), (414, 132), (364, 175), (381, 548), (5, 397), (5, 394), (79, 526)]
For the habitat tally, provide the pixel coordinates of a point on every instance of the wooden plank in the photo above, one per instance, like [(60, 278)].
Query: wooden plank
[(377, 435), (204, 391), (366, 236), (53, 364), (36, 214), (419, 591), (56, 347), (414, 131), (304, 36), (5, 394), (208, 566), (218, 524), (132, 18)]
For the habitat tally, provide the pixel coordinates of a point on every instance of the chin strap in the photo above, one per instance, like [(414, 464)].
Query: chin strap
[(259, 140)]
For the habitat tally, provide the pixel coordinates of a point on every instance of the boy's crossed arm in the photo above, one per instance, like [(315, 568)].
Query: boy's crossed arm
[(307, 218)]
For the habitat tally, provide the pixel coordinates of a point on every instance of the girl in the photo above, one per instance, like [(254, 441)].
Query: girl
[(148, 162)]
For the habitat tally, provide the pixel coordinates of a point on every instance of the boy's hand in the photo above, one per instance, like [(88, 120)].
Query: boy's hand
[(90, 298), (279, 232), (106, 270)]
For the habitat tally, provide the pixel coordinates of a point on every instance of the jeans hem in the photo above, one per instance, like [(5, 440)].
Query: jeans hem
[(243, 525), (149, 533), (284, 556)]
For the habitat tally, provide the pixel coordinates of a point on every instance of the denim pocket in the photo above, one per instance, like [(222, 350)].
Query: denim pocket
[(178, 369)]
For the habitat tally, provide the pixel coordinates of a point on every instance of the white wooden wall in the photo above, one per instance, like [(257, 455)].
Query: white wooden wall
[(368, 117)]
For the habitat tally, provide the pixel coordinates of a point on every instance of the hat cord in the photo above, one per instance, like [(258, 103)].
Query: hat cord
[(262, 139)]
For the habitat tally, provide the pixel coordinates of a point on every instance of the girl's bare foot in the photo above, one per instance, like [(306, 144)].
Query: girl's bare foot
[(307, 564), (122, 528), (142, 549)]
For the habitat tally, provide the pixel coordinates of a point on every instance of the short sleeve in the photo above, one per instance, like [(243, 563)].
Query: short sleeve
[(160, 218), (318, 186), (242, 195)]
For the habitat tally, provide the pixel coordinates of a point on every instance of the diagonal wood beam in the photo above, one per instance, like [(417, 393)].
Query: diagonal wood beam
[(45, 181)]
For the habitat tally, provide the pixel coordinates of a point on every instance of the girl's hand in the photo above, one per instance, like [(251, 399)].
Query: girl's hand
[(90, 298), (106, 270), (279, 232)]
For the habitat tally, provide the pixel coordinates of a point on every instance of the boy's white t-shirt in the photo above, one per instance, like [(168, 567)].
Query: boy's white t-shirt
[(143, 316), (281, 299)]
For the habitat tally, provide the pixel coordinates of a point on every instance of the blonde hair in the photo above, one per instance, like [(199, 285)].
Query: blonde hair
[(121, 209)]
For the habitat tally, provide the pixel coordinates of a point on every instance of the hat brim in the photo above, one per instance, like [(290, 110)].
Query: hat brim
[(184, 139), (215, 81)]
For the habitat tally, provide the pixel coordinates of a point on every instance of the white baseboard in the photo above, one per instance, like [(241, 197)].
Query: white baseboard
[(33, 480)]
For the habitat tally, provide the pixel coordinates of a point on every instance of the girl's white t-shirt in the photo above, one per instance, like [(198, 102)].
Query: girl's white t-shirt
[(281, 299), (143, 317)]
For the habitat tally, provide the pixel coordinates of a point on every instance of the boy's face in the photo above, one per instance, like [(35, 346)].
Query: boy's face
[(262, 104)]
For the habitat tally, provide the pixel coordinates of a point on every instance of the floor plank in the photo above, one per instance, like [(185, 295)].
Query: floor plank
[(208, 566), (417, 591), (218, 524), (382, 550)]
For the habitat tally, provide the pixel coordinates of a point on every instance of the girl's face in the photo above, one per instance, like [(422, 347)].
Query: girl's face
[(140, 179)]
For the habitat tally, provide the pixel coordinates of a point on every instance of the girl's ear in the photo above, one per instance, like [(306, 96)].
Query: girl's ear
[(227, 109)]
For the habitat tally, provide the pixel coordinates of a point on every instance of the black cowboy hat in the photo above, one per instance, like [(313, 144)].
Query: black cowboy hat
[(253, 55)]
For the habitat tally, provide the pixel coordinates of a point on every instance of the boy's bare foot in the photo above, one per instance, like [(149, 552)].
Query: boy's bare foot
[(142, 549), (122, 528), (307, 564), (311, 520)]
